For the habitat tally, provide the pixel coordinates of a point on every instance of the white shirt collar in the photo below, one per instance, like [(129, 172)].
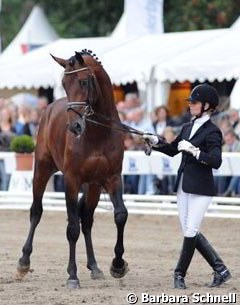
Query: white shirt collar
[(202, 119)]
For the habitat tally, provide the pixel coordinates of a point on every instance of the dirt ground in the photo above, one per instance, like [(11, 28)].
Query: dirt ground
[(152, 245)]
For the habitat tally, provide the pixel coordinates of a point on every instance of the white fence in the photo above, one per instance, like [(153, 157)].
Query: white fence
[(136, 204), (137, 163)]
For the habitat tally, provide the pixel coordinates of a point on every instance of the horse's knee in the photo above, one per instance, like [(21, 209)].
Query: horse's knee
[(120, 217), (73, 231)]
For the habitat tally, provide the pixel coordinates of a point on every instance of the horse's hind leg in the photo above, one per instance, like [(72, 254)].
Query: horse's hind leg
[(114, 187), (87, 205), (42, 173)]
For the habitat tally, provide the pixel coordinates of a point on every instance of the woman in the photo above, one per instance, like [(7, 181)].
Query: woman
[(200, 142)]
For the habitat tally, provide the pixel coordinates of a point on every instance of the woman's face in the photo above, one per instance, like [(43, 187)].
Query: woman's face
[(195, 108)]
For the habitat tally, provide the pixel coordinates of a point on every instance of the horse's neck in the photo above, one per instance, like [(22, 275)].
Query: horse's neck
[(105, 104)]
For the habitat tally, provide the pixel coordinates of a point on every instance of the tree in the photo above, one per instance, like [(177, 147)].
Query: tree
[(71, 19), (188, 15), (89, 18)]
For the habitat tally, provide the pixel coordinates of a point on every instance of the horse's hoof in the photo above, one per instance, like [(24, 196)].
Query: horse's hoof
[(119, 272), (22, 270), (73, 284), (97, 274)]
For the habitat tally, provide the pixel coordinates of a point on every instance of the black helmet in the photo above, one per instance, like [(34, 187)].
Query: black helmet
[(206, 94)]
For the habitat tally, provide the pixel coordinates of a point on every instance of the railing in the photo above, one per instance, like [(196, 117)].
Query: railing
[(136, 204), (137, 163)]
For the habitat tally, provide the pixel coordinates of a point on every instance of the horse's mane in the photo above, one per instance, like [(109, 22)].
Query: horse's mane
[(90, 52)]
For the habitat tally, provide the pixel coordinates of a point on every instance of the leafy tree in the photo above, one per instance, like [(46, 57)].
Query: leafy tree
[(72, 18), (188, 15), (89, 18)]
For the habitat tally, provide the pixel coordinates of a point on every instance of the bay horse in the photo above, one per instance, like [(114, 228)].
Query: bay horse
[(88, 154)]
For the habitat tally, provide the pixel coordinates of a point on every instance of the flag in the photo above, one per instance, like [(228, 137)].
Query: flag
[(25, 48), (144, 17)]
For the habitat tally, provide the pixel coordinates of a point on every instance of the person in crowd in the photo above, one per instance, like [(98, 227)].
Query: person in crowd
[(7, 132), (42, 102), (30, 128), (234, 121), (130, 102), (200, 142), (161, 124), (162, 120), (131, 181), (23, 118), (229, 185), (136, 120)]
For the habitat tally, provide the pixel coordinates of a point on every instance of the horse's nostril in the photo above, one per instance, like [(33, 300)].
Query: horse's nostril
[(77, 126)]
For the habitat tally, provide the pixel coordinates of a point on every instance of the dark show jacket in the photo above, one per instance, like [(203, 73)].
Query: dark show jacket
[(197, 174)]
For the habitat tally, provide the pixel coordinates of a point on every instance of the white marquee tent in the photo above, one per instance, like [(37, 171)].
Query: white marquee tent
[(35, 32), (151, 59)]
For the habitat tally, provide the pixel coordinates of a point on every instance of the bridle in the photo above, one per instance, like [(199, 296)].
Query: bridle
[(90, 112), (71, 106)]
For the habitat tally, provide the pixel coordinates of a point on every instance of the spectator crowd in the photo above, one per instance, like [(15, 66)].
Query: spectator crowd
[(24, 119)]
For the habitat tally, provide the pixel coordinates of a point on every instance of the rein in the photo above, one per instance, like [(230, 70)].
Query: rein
[(121, 127), (72, 105)]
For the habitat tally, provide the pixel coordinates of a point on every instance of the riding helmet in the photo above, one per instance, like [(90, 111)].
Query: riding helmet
[(205, 94)]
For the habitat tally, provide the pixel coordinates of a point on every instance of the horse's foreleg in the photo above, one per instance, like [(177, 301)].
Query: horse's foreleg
[(72, 232), (88, 203), (40, 179), (119, 267)]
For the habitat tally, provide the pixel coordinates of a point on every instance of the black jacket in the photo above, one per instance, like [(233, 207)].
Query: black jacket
[(198, 176)]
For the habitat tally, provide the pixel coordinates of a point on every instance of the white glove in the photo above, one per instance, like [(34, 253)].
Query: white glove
[(152, 139), (188, 147)]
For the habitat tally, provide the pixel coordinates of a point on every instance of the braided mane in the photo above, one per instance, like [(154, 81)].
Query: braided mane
[(90, 52)]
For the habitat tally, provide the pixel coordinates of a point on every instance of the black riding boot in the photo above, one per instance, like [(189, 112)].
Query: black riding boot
[(221, 273), (184, 261)]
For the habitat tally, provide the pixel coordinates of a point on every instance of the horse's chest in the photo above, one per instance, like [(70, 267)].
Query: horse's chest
[(95, 168)]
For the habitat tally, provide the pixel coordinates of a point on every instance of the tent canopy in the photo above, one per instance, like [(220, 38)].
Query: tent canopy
[(195, 55), (35, 32)]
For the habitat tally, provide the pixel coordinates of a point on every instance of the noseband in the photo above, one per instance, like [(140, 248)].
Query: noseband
[(71, 106)]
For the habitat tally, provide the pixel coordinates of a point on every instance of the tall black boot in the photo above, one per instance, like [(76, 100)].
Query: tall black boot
[(221, 273), (184, 261)]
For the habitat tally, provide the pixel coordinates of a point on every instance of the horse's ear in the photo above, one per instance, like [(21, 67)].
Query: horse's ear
[(79, 57), (62, 62)]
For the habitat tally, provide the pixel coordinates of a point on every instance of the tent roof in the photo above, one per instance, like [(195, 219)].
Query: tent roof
[(36, 31), (180, 56), (37, 68), (136, 59), (216, 59)]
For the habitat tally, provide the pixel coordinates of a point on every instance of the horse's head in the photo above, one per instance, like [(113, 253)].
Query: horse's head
[(82, 91)]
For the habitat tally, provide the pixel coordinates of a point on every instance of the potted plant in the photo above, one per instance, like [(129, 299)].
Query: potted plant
[(23, 146)]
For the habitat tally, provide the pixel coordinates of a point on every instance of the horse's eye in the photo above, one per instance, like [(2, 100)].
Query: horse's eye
[(83, 83)]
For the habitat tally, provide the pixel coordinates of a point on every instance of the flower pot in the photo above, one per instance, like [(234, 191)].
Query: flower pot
[(24, 162)]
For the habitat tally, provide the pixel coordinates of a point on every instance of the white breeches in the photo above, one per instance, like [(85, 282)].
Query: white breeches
[(191, 210)]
